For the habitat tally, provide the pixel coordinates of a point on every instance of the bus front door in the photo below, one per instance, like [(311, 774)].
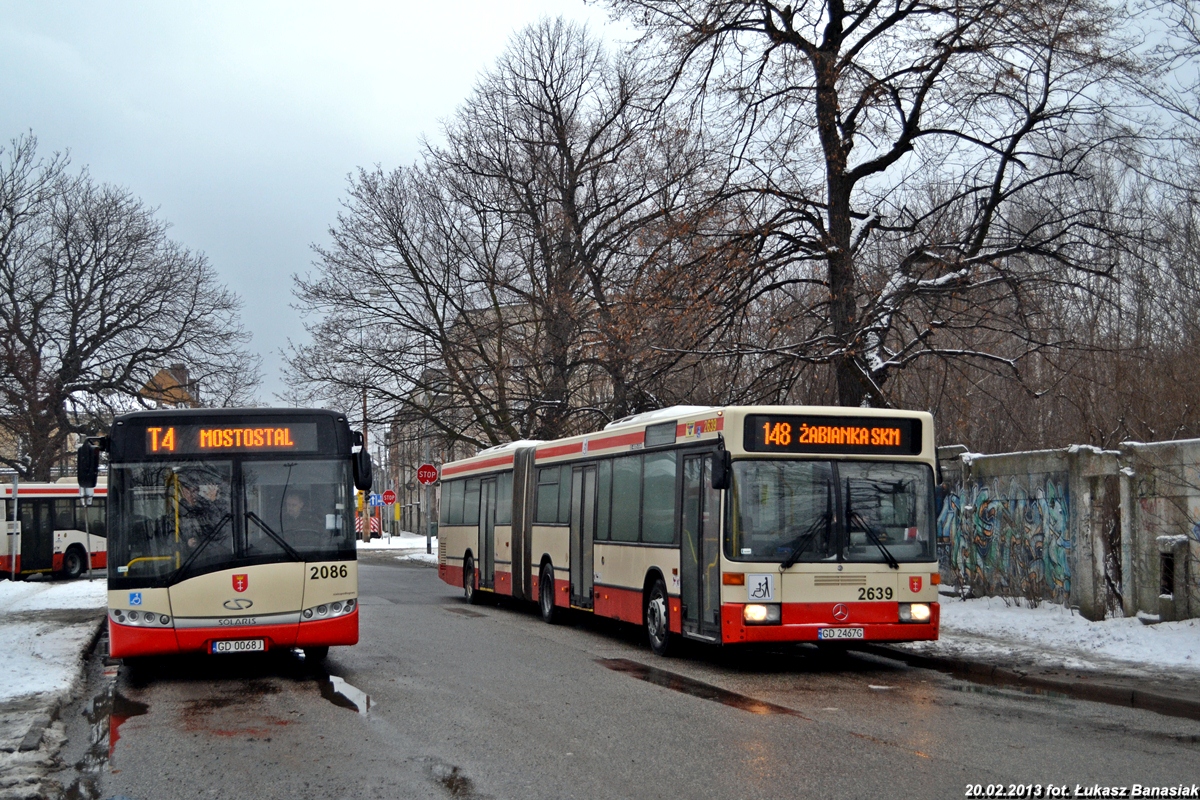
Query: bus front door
[(699, 559), (487, 534), (37, 535), (583, 534)]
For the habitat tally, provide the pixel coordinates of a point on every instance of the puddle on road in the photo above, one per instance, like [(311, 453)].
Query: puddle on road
[(106, 712), (707, 691), (453, 780), (466, 612)]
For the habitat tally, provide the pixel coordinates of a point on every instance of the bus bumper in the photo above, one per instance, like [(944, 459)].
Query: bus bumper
[(801, 622), (126, 641)]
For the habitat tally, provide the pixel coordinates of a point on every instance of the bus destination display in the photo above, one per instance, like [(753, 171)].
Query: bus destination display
[(212, 439), (793, 433)]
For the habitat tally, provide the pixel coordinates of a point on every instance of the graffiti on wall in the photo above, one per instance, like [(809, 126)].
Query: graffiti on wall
[(1008, 539)]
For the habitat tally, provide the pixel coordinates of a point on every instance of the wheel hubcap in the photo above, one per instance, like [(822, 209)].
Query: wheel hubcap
[(656, 619)]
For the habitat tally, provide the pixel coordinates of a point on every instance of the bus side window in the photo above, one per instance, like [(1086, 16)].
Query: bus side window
[(547, 496), (603, 499), (97, 519), (470, 512), (504, 496), (64, 515), (627, 498), (452, 503), (564, 495)]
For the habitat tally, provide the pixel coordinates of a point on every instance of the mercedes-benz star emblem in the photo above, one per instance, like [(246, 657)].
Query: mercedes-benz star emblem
[(840, 612), (238, 604)]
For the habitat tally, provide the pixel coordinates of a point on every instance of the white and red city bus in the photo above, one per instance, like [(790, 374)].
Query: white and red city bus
[(231, 531), (726, 525), (55, 532)]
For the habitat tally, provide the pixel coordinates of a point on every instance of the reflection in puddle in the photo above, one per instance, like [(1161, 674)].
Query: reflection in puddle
[(106, 712), (695, 688), (340, 693)]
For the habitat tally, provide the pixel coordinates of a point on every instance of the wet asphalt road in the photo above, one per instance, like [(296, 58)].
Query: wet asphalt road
[(489, 701)]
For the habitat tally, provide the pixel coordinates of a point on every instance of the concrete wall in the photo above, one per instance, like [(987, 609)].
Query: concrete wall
[(1160, 487), (1037, 525)]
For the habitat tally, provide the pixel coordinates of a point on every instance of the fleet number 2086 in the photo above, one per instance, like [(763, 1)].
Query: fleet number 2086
[(326, 571)]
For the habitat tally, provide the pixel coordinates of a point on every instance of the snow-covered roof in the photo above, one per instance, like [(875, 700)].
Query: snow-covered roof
[(662, 414)]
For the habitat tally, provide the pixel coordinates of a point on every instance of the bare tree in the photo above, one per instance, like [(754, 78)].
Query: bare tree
[(94, 301), (916, 165), (537, 274)]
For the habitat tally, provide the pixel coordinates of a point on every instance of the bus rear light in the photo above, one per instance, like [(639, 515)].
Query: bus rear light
[(326, 610), (914, 612), (935, 578), (733, 578), (759, 614)]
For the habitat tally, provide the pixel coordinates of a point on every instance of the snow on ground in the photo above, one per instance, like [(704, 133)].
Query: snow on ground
[(413, 545), (1051, 635), (43, 656)]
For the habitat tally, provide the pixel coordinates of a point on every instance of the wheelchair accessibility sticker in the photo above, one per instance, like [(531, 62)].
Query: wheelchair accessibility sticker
[(135, 598), (760, 588)]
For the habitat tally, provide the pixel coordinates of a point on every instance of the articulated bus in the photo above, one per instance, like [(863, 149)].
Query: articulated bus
[(55, 533), (725, 525), (231, 531)]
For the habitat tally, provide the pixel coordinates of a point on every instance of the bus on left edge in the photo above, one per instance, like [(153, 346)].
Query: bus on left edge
[(230, 530), (55, 532)]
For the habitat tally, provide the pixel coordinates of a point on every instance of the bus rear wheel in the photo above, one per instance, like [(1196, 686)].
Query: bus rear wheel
[(658, 622), (74, 562), (546, 595)]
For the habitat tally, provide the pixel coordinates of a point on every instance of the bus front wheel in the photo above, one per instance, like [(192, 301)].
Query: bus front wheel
[(546, 595), (658, 623), (74, 562)]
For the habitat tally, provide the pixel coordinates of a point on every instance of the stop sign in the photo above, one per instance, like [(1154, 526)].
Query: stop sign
[(427, 474), (389, 497)]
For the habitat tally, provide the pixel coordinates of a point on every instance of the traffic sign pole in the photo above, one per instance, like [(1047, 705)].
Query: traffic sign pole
[(427, 475)]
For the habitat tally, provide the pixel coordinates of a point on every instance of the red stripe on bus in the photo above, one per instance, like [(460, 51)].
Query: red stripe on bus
[(624, 440), (341, 630), (50, 492), (126, 641), (499, 461), (560, 450)]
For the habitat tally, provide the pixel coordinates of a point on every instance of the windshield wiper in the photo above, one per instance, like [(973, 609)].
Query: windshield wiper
[(874, 537), (204, 541), (805, 538), (279, 540)]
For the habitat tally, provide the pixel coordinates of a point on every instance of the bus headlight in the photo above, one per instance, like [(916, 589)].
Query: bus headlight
[(326, 610), (759, 614), (914, 612)]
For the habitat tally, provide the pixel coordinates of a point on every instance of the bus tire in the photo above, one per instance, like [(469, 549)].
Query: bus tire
[(658, 619), (74, 562), (546, 595), (316, 655), (470, 590)]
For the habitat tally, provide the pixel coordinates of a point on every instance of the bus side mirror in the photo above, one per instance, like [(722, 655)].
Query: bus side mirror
[(87, 464), (362, 465), (722, 469)]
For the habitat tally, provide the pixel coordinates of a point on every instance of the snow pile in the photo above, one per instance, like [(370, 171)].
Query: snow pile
[(988, 628), (42, 656), (405, 540), (411, 546), (18, 597)]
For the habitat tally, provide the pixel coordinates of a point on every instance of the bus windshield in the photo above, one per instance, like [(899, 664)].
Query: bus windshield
[(189, 517), (810, 511)]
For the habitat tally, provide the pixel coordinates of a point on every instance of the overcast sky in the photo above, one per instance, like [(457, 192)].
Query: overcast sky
[(241, 120)]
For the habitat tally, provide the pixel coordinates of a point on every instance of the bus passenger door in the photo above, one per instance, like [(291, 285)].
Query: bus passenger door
[(487, 533), (583, 534), (700, 550), (37, 535)]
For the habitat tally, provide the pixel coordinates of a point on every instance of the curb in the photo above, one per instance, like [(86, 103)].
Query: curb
[(37, 728), (979, 672)]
